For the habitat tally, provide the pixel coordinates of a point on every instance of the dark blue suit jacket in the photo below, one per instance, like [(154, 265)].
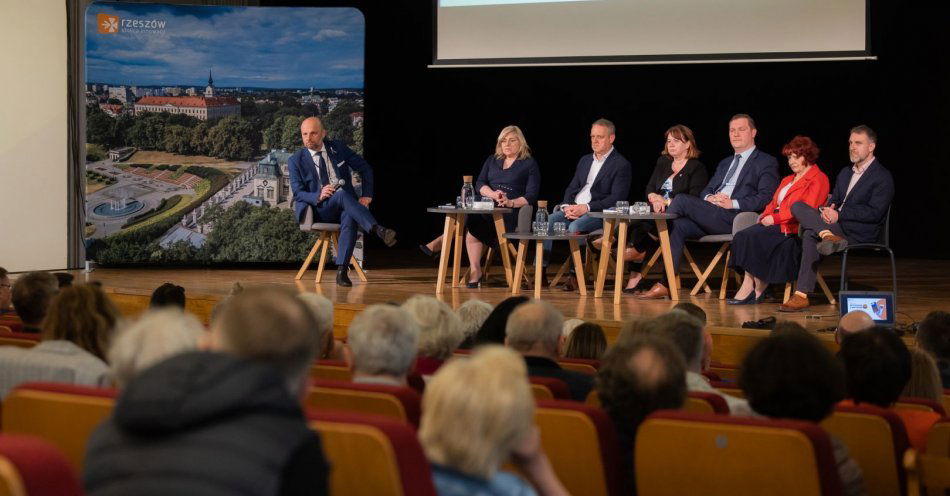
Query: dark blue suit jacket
[(756, 184), (611, 185), (305, 181), (862, 217)]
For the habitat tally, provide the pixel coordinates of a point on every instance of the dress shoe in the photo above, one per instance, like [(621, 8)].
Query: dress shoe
[(657, 292), (570, 283), (796, 303), (831, 244), (630, 254), (384, 233), (342, 279), (748, 300), (633, 289), (429, 253)]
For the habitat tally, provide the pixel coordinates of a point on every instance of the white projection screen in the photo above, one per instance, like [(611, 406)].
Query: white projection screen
[(564, 32)]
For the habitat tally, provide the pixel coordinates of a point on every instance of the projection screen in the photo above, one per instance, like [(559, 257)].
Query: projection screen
[(564, 32)]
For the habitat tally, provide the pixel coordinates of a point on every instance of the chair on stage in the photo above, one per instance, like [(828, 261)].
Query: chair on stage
[(549, 388), (398, 402), (372, 455), (876, 440), (329, 233), (63, 414), (718, 455), (882, 244), (700, 402), (742, 221), (31, 466)]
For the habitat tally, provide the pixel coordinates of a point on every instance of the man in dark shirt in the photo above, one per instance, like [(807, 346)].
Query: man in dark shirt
[(534, 330)]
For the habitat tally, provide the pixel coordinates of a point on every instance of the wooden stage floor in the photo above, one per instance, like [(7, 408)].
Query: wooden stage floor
[(395, 275)]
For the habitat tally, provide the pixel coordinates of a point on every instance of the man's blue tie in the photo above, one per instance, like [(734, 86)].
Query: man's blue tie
[(322, 169), (729, 173)]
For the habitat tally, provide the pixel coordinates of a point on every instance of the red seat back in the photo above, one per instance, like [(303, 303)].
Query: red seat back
[(922, 404), (700, 402), (34, 467), (557, 387), (396, 401)]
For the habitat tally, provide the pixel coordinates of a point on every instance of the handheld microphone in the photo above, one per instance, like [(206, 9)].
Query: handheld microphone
[(339, 184)]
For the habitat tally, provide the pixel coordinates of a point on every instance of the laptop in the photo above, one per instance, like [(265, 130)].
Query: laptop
[(879, 305)]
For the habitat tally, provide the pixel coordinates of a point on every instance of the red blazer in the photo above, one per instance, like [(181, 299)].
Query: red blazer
[(812, 189)]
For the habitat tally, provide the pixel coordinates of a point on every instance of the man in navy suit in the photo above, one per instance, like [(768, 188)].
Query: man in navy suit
[(601, 180), (321, 181), (855, 214), (743, 182)]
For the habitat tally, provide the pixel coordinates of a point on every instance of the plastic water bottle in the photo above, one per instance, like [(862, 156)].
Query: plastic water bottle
[(541, 219), (468, 192)]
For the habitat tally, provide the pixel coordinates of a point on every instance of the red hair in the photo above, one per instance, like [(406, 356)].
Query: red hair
[(802, 146)]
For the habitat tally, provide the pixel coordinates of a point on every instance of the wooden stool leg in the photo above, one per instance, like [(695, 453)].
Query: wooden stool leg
[(725, 276), (519, 267), (325, 236), (578, 266), (447, 238), (358, 269), (560, 272), (487, 266), (538, 267), (788, 292), (826, 289), (313, 252)]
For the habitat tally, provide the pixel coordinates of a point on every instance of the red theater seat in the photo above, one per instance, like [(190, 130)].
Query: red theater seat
[(400, 402), (30, 466), (876, 440), (922, 404), (584, 366), (21, 339), (549, 388), (700, 402)]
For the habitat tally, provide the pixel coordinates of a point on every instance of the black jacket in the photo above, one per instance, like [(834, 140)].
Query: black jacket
[(691, 179)]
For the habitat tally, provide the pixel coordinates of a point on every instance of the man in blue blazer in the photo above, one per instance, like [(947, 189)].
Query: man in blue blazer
[(855, 214), (743, 182), (601, 180), (321, 181)]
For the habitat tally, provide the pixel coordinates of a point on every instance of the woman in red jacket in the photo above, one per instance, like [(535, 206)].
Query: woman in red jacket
[(770, 251)]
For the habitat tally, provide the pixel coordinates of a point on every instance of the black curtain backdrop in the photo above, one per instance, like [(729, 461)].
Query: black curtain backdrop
[(425, 128)]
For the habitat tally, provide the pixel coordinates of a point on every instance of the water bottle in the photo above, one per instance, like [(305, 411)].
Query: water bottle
[(468, 192), (541, 219)]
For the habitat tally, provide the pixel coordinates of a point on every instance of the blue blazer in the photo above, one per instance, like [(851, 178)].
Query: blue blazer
[(611, 185), (305, 181), (756, 184), (863, 215)]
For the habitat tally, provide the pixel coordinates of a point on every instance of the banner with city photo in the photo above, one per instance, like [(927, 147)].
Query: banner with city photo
[(191, 115)]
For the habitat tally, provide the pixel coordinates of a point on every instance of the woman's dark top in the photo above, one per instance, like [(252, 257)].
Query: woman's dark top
[(691, 179), (523, 178)]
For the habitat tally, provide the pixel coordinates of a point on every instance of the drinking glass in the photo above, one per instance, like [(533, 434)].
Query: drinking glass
[(560, 228), (623, 207)]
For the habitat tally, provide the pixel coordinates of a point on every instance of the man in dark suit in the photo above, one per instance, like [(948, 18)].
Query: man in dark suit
[(321, 181), (743, 182), (601, 180), (856, 213)]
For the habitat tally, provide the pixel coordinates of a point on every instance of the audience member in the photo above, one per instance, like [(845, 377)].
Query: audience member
[(440, 332), (924, 377), (492, 330), (322, 308), (784, 326), (933, 335), (534, 330), (779, 384), (686, 332), (75, 332), (157, 335), (236, 288), (382, 345), (569, 326), (694, 310), (472, 313), (877, 368), (478, 413), (587, 341), (644, 374), (32, 294), (222, 422), (6, 293), (168, 295), (852, 322), (63, 279), (633, 328)]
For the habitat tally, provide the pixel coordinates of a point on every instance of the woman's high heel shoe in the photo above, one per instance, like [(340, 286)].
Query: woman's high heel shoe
[(752, 299)]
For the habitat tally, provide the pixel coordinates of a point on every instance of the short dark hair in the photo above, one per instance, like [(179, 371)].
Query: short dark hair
[(877, 366), (802, 146), (64, 279), (862, 129), (32, 294), (493, 329), (692, 309), (933, 334), (684, 330), (746, 117), (3, 273), (792, 375), (784, 326), (168, 295), (586, 341)]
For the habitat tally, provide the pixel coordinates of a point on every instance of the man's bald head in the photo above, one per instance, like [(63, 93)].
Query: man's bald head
[(535, 327), (312, 133), (851, 323)]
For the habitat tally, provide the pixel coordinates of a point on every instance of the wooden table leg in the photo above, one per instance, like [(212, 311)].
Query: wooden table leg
[(621, 246), (578, 267), (448, 235), (538, 267), (667, 258), (519, 267), (604, 258), (502, 244), (457, 255)]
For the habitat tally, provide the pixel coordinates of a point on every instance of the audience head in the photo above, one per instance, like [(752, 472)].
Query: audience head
[(686, 332), (32, 294), (493, 329), (924, 377), (801, 147), (569, 326), (168, 295), (382, 341), (633, 328), (535, 329), (692, 309), (63, 279), (236, 288), (511, 141), (272, 326), (933, 335), (852, 322), (784, 326), (6, 290), (680, 141), (586, 341), (602, 136), (157, 335), (84, 315), (322, 309), (792, 375), (476, 411), (473, 314), (861, 143), (877, 366), (440, 330)]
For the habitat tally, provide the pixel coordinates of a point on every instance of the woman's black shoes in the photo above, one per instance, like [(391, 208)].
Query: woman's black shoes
[(429, 253), (748, 300)]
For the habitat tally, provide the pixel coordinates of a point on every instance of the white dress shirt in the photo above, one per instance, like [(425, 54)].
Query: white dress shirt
[(583, 196), (858, 174), (731, 183), (331, 171)]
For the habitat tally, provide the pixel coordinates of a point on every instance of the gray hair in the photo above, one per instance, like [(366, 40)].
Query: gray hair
[(383, 340), (440, 330), (473, 313), (611, 128), (537, 322), (157, 335), (685, 331), (322, 309)]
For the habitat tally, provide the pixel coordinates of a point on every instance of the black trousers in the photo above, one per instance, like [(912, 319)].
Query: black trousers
[(811, 224)]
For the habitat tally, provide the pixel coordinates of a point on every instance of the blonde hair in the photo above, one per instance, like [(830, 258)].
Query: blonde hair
[(157, 335), (924, 377), (476, 410), (440, 330), (84, 315), (525, 151), (473, 313)]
